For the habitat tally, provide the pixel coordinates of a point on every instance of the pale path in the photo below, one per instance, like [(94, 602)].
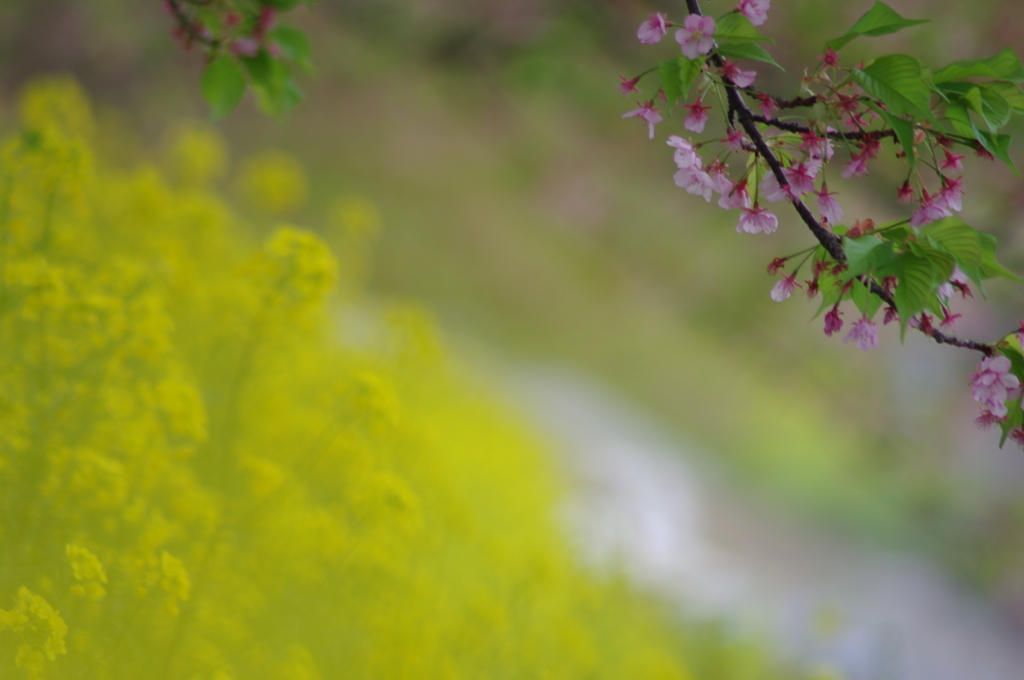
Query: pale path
[(644, 500)]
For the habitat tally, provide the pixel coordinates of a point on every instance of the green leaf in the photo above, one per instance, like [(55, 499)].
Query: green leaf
[(916, 287), (904, 132), (689, 71), (223, 85), (1004, 66), (990, 268), (961, 241), (294, 44), (747, 50), (276, 92), (260, 67), (879, 20), (942, 261), (1014, 419), (677, 76), (866, 302), (960, 120), (735, 28), (997, 145), (995, 110), (897, 81), (668, 71), (1011, 93), (865, 254)]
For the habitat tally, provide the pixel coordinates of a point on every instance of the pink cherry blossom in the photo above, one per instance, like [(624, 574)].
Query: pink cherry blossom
[(696, 182), (736, 76), (771, 190), (627, 86), (818, 148), (987, 419), (992, 383), (952, 191), (779, 262), (982, 152), (830, 58), (650, 31), (684, 157), (952, 161), (857, 166), (890, 315), (720, 182), (736, 139), (767, 105), (245, 47), (801, 178), (1017, 435), (905, 194), (698, 116), (648, 114), (930, 210), (695, 36), (957, 281), (829, 207), (737, 197), (948, 322), (833, 324), (755, 10), (784, 288), (757, 220), (864, 333), (870, 148)]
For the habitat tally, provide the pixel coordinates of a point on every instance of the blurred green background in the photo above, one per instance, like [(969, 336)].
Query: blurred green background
[(541, 228)]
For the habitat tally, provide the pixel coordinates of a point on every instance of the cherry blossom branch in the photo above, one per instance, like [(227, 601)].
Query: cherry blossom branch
[(832, 244)]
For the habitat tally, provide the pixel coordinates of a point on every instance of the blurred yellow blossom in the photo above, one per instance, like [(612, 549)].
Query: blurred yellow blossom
[(268, 501), (273, 181)]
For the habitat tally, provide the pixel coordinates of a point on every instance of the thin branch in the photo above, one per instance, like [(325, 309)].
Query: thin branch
[(186, 27), (803, 129), (797, 102)]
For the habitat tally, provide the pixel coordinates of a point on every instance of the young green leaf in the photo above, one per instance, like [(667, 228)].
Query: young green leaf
[(994, 109), (1004, 66), (879, 20), (1010, 92), (897, 81), (294, 44), (990, 268), (747, 50), (866, 302), (668, 72), (865, 254), (689, 71), (677, 76), (960, 120), (223, 85), (1014, 419), (735, 28), (961, 241), (916, 287)]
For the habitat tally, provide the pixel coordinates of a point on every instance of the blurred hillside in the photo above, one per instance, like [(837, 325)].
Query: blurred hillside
[(519, 207)]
